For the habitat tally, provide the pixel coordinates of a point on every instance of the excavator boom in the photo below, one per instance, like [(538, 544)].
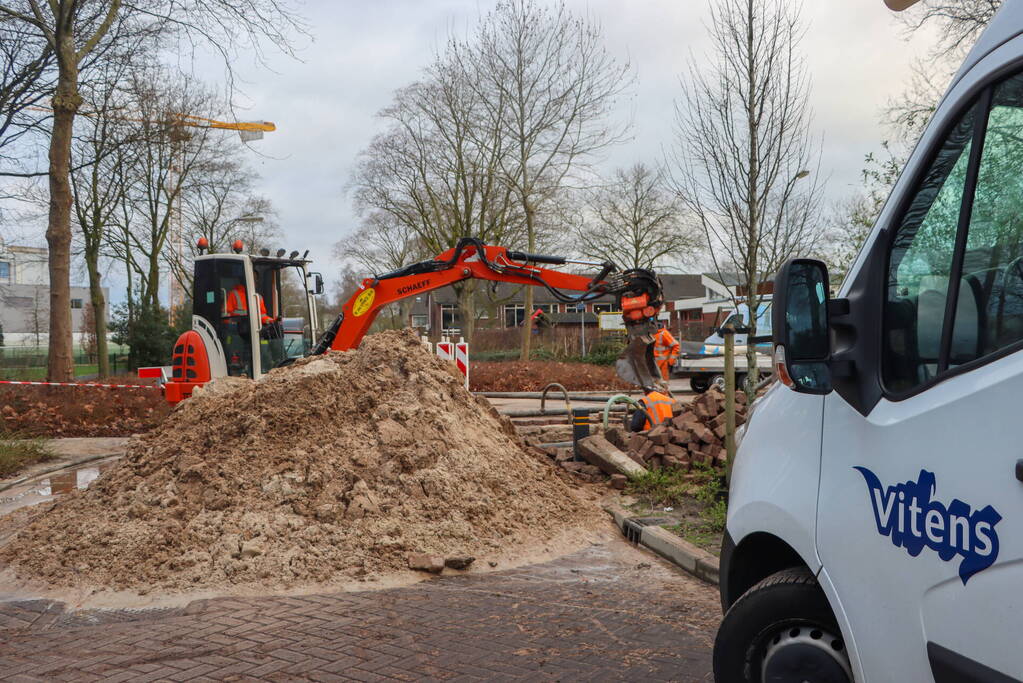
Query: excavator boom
[(638, 293)]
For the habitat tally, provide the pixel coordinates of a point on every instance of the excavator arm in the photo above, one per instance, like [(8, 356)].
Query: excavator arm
[(638, 293)]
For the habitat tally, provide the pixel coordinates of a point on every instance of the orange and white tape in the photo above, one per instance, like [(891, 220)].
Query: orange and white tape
[(80, 384)]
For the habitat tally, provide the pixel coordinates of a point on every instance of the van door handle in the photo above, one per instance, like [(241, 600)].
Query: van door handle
[(1019, 470)]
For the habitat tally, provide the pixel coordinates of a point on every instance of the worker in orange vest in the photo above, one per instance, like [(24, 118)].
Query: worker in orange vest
[(237, 305), (665, 351), (656, 409)]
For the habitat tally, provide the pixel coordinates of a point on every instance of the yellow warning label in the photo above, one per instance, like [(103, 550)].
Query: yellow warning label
[(363, 302)]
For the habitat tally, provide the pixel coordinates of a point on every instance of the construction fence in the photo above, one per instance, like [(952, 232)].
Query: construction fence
[(29, 362)]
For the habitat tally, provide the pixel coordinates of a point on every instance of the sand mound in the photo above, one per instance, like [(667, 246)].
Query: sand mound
[(332, 469)]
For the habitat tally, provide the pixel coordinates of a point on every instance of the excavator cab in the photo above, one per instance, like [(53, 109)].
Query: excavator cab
[(238, 314)]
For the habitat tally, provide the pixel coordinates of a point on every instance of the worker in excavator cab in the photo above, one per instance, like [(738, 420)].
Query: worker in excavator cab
[(236, 311), (237, 305), (666, 350), (656, 409)]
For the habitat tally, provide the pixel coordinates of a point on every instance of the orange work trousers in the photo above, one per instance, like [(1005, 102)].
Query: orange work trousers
[(665, 367)]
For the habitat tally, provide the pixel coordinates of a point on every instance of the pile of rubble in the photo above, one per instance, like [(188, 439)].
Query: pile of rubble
[(695, 435), (343, 466)]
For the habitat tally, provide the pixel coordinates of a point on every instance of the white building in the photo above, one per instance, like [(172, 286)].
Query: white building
[(25, 298)]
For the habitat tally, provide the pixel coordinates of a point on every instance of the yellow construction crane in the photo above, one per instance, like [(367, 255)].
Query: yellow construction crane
[(248, 130), (201, 122)]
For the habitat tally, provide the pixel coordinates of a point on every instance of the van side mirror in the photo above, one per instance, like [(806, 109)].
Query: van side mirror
[(802, 341)]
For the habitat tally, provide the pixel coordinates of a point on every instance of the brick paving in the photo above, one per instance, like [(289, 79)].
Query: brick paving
[(610, 612)]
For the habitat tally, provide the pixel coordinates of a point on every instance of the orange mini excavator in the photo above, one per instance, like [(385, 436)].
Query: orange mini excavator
[(237, 310)]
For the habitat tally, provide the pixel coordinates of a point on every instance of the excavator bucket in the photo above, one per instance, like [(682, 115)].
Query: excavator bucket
[(636, 364)]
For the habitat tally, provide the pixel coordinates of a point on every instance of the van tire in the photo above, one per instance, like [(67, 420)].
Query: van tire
[(785, 603), (699, 384)]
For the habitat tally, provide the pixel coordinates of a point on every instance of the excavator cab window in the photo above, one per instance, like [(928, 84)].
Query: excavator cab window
[(220, 299), (272, 350)]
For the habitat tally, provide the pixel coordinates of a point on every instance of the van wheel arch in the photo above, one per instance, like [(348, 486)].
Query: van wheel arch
[(756, 557)]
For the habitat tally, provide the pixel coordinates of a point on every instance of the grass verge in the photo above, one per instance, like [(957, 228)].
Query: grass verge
[(698, 498), (17, 454)]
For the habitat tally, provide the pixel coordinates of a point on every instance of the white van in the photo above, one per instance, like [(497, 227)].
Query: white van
[(875, 522)]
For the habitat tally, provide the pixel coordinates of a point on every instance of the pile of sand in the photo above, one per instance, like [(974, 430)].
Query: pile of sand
[(332, 469)]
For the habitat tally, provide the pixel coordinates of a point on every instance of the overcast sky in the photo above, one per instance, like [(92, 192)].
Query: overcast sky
[(324, 104)]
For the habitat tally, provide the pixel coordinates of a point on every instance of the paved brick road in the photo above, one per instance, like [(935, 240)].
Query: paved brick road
[(610, 612)]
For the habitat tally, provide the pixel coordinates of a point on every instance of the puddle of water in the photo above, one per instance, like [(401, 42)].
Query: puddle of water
[(51, 486)]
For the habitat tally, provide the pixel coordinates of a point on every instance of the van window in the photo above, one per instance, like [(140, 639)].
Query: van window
[(921, 264), (990, 315)]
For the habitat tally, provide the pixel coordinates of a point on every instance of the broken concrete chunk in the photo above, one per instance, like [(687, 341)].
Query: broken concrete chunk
[(598, 451), (458, 562), (426, 563)]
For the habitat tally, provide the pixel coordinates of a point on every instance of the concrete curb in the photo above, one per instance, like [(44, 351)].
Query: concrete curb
[(646, 532)]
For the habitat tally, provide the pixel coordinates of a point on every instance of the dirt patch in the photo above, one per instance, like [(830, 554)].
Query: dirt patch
[(535, 375), (62, 411), (332, 470)]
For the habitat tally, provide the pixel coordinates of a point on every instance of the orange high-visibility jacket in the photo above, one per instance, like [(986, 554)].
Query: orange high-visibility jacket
[(658, 408), (665, 346), (237, 304)]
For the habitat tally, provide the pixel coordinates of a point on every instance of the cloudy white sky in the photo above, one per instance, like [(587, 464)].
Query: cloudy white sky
[(324, 103)]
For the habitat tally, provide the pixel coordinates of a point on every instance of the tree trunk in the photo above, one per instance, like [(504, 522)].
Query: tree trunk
[(99, 309), (752, 256), (752, 369), (152, 292), (527, 327), (66, 100), (467, 308)]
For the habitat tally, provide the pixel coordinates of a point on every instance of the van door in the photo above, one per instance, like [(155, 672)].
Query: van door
[(920, 511)]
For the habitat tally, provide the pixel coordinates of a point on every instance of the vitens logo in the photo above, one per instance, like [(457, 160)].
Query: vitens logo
[(415, 286), (906, 514)]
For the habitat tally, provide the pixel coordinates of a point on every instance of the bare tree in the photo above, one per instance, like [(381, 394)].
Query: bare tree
[(958, 22), (25, 81), (637, 221), (72, 29), (436, 172), (549, 87), (853, 218), (76, 29), (217, 202), (39, 316), (744, 148), (100, 179), (165, 166), (380, 245)]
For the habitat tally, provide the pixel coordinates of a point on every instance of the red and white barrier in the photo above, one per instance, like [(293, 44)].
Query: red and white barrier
[(458, 352), (462, 360), (446, 350), (80, 384)]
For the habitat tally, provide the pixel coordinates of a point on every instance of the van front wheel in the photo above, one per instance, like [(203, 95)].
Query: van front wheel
[(781, 629)]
